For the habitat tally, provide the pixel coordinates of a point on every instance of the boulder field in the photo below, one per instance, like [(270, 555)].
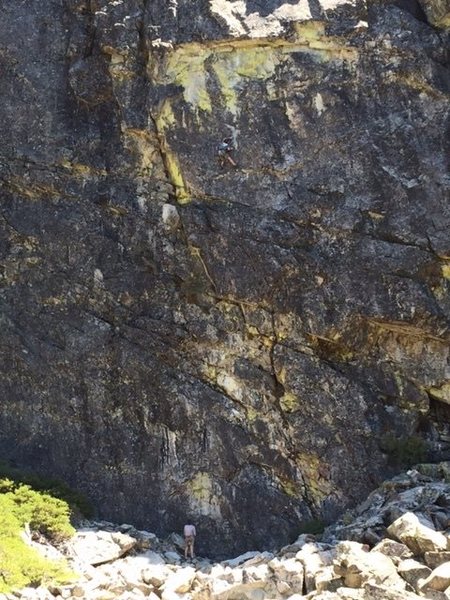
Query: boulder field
[(394, 546)]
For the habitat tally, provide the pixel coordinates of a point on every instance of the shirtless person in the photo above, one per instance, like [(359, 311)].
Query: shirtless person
[(189, 538)]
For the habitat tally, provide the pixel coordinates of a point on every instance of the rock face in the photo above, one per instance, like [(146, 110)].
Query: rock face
[(235, 345)]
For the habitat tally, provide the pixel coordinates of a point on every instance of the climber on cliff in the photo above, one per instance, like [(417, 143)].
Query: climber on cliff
[(224, 151), (189, 539)]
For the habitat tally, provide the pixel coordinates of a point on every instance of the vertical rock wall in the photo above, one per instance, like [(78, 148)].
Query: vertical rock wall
[(231, 345)]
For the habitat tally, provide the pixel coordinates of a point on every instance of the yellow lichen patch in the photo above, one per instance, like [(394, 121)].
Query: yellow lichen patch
[(314, 473), (201, 495), (231, 62), (176, 178), (187, 68), (81, 170), (53, 301), (251, 413), (309, 31), (144, 145), (233, 66), (446, 271), (442, 392), (444, 22), (32, 191), (252, 330), (440, 292), (210, 372), (267, 341), (164, 119), (289, 487), (289, 402), (281, 375)]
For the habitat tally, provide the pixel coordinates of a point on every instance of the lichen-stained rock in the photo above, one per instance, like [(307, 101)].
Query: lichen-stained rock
[(230, 344), (437, 11)]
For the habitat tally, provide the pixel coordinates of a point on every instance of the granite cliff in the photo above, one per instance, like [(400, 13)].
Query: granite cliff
[(243, 346)]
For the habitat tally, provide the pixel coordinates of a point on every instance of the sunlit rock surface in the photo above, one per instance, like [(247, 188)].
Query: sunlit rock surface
[(235, 345)]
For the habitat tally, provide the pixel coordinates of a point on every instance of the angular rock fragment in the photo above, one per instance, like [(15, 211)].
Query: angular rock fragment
[(434, 559), (439, 579), (396, 551), (413, 571), (417, 536), (289, 571), (358, 567), (313, 558)]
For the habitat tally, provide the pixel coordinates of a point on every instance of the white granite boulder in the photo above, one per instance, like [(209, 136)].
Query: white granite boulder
[(358, 567), (419, 538), (97, 547)]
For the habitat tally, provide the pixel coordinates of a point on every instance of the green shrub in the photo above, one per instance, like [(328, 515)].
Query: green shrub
[(404, 452), (44, 513), (20, 564)]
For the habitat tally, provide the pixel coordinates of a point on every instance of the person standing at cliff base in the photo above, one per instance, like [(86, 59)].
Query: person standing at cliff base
[(189, 539)]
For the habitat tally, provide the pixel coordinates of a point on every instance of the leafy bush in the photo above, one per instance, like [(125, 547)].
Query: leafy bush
[(21, 565), (50, 516), (405, 451)]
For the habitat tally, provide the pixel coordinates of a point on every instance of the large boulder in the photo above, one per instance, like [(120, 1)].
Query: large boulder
[(381, 592), (155, 575), (357, 567), (420, 538), (254, 590), (97, 547), (242, 558), (327, 580)]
